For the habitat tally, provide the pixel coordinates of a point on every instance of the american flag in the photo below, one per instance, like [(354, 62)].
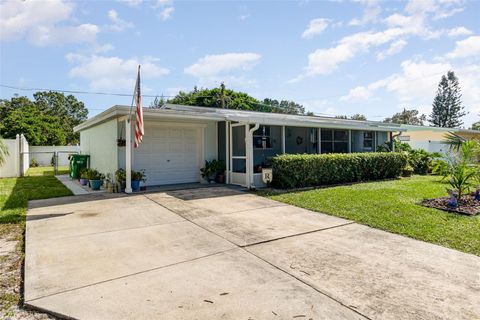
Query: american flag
[(139, 131)]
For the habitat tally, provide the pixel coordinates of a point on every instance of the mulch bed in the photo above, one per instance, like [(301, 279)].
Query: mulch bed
[(468, 205)]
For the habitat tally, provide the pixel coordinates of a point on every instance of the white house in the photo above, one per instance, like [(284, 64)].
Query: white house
[(178, 139)]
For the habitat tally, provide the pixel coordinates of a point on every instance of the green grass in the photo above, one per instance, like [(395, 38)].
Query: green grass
[(45, 171), (16, 192), (392, 206)]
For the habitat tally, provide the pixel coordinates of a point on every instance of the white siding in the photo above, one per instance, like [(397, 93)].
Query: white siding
[(100, 142)]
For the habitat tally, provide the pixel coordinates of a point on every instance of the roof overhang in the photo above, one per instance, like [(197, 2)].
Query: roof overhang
[(409, 127), (172, 111)]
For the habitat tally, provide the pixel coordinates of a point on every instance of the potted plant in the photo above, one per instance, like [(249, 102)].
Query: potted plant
[(220, 171), (121, 178), (84, 176), (137, 176), (109, 183), (95, 178), (209, 171)]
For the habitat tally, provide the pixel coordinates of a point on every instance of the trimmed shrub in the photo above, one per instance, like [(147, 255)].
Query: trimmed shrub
[(303, 170)]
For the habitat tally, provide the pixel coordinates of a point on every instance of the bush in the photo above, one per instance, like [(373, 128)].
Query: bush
[(294, 171), (33, 163), (94, 174)]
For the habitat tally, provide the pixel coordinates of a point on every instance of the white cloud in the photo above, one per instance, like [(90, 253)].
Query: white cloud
[(244, 17), (166, 13), (415, 23), (370, 13), (118, 24), (459, 31), (315, 27), (395, 47), (131, 3), (113, 73), (416, 84), (466, 48), (37, 21), (229, 68)]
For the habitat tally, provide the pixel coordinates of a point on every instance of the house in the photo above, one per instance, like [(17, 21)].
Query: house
[(178, 139), (432, 139)]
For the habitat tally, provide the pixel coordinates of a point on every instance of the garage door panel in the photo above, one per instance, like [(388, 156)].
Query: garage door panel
[(169, 154)]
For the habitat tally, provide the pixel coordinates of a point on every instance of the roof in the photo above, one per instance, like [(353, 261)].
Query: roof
[(409, 127), (172, 111)]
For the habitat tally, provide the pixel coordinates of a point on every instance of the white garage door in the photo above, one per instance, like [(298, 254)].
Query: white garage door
[(169, 154)]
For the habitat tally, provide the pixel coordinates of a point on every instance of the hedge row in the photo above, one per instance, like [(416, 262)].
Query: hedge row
[(295, 171)]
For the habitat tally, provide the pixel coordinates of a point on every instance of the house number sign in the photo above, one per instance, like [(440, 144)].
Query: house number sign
[(267, 175)]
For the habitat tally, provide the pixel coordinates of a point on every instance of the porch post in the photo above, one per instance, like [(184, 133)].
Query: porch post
[(319, 147), (349, 141), (227, 148), (128, 156), (249, 153), (283, 139)]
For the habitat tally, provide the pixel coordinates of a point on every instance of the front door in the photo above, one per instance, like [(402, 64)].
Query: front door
[(238, 154)]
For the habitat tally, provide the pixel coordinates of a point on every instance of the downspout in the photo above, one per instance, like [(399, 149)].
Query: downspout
[(249, 145)]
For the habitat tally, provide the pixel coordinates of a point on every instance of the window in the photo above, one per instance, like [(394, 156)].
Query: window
[(334, 141), (261, 138), (368, 140)]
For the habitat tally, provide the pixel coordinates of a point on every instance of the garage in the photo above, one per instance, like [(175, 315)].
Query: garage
[(170, 153)]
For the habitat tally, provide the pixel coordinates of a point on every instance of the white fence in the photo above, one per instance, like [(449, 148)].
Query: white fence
[(17, 161), (43, 154)]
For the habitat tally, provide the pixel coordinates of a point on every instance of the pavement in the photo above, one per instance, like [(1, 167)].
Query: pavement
[(220, 253)]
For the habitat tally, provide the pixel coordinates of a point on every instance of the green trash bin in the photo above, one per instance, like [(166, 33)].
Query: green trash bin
[(77, 163)]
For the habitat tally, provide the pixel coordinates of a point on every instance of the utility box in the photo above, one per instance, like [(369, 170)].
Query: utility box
[(77, 163)]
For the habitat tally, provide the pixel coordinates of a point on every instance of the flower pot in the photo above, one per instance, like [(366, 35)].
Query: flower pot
[(220, 178), (95, 184), (83, 182), (135, 185)]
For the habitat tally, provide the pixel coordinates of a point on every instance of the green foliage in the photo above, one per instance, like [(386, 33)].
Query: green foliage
[(120, 176), (33, 163), (84, 173), (293, 171), (139, 175), (407, 171), (420, 160), (454, 141), (94, 174), (211, 169), (356, 116), (476, 125), (439, 167), (47, 120), (411, 117), (461, 179), (215, 97), (447, 105), (3, 152)]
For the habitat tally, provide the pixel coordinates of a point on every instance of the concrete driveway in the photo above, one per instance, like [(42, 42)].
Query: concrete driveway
[(219, 253)]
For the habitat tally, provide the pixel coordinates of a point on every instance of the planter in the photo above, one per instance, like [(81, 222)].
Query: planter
[(83, 182), (220, 178), (135, 185), (95, 184)]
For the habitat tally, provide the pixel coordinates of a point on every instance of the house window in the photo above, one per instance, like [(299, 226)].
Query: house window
[(261, 138), (334, 141), (368, 140)]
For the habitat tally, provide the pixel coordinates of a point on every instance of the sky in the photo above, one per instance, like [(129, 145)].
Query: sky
[(334, 57)]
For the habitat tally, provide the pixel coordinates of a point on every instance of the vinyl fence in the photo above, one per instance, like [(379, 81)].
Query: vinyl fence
[(17, 161), (44, 155)]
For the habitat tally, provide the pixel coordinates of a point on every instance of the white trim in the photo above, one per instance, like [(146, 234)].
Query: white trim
[(128, 156), (227, 148), (319, 147)]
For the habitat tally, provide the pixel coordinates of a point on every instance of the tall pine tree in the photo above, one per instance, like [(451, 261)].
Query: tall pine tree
[(447, 106)]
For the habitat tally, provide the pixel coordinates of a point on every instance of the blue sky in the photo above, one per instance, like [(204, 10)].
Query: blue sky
[(334, 57)]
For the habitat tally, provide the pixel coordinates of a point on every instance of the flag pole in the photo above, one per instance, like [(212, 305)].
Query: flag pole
[(128, 149)]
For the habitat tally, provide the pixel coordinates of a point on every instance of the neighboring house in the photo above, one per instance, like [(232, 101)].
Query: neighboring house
[(178, 139), (432, 139)]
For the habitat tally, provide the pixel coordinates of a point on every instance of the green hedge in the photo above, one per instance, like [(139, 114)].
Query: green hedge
[(303, 170)]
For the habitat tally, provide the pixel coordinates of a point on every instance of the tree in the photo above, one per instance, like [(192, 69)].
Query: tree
[(3, 152), (411, 117), (447, 105), (157, 103), (230, 99), (356, 116), (48, 120), (359, 117), (476, 125)]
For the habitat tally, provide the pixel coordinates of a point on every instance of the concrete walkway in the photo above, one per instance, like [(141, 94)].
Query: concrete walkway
[(215, 253)]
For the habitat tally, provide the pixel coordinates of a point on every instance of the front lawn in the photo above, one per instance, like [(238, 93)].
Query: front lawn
[(46, 171), (392, 206), (14, 196)]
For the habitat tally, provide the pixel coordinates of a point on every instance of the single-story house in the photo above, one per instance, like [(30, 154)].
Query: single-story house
[(178, 139), (432, 139)]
